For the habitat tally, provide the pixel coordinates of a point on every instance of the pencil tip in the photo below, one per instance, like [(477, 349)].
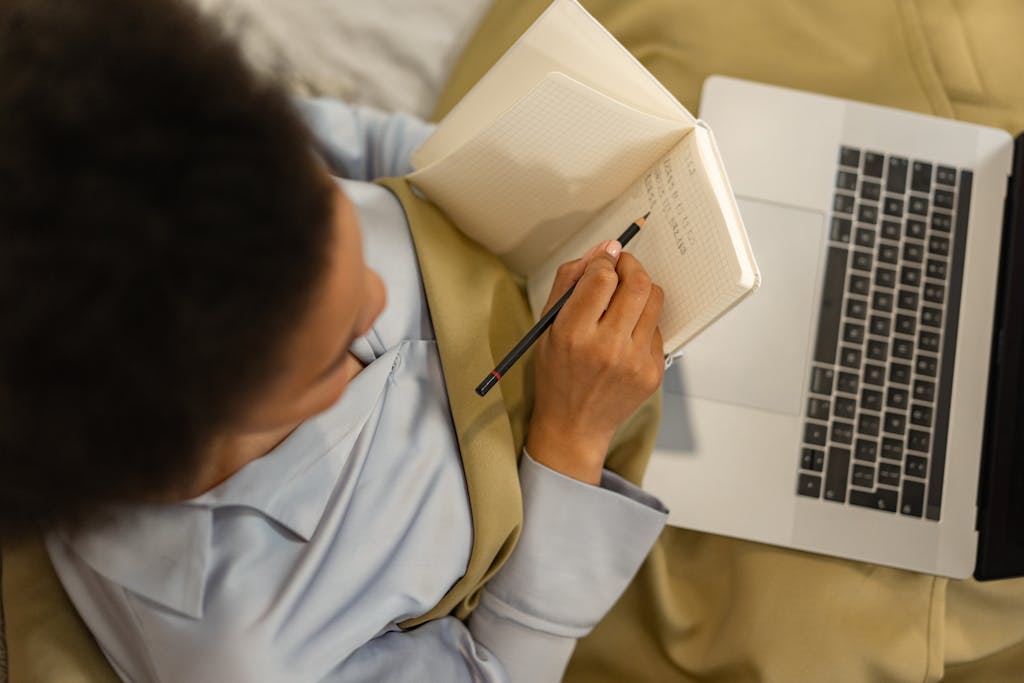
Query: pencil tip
[(646, 215)]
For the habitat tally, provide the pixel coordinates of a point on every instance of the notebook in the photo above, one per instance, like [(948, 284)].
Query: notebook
[(566, 141), (866, 403)]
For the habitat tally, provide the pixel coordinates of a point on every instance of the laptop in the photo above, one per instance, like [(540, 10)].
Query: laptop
[(865, 403)]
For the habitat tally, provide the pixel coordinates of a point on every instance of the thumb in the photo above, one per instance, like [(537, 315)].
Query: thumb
[(569, 273)]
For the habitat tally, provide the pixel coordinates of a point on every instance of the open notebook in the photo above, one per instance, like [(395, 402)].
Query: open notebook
[(562, 144)]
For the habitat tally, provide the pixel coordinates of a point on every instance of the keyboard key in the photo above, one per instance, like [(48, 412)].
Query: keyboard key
[(896, 181), (916, 205), (859, 284), (907, 300), (836, 472), (926, 365), (819, 461), (856, 308), (938, 245), (928, 341), (842, 203), (818, 408), (877, 350), (870, 399), (916, 466), (891, 229), (885, 277), (812, 459), (943, 199), (842, 432), (868, 424), (892, 449), (896, 398), (870, 190), (866, 450), (893, 206), (862, 260), (849, 156), (882, 301), (831, 302), (906, 324), (880, 499), (916, 228), (932, 317), (888, 253), (873, 164), (815, 433), (913, 252), (845, 407), (946, 176), (918, 441), (889, 474), (937, 269), (821, 380), (895, 423), (865, 237), (841, 229), (924, 390), (809, 485), (903, 348), (863, 476), (899, 373), (853, 333), (921, 177), (880, 324), (920, 415), (934, 293), (913, 498), (874, 374), (941, 222), (867, 213), (910, 276), (848, 383), (846, 180)]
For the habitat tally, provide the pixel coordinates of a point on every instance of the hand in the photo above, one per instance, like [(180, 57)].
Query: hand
[(599, 360)]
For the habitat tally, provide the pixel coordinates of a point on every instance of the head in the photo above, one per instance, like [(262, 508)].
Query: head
[(175, 263)]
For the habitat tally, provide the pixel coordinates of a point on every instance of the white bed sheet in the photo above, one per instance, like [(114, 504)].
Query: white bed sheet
[(392, 54)]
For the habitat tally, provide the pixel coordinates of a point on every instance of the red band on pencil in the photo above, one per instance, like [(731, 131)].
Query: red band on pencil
[(495, 373)]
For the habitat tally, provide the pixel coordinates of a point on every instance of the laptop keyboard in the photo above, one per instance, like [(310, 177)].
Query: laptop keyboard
[(879, 389)]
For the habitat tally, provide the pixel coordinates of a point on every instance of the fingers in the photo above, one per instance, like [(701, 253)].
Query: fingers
[(594, 289), (569, 274), (647, 322), (631, 296)]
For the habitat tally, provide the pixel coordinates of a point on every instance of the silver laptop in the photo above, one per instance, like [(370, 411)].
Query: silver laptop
[(845, 408)]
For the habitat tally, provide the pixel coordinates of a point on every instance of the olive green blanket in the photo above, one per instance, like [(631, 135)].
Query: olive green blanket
[(703, 608)]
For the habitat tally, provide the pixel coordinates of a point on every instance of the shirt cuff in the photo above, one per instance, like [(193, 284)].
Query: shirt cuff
[(579, 549)]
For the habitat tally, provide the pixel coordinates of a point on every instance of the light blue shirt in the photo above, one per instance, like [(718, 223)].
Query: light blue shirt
[(300, 566)]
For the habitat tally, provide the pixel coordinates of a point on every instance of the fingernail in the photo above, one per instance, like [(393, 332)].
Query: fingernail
[(613, 248)]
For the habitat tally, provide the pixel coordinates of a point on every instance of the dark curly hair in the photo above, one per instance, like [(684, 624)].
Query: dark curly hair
[(163, 224)]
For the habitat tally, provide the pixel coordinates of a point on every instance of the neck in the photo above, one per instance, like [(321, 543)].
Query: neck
[(229, 453), (232, 451)]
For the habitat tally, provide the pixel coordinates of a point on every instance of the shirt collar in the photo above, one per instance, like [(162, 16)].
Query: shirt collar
[(161, 552)]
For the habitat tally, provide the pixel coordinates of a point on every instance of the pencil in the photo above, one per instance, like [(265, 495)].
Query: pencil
[(545, 321)]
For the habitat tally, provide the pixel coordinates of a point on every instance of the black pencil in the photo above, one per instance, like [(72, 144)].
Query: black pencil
[(545, 321)]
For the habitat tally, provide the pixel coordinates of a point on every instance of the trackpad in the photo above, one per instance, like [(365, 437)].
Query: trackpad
[(756, 355)]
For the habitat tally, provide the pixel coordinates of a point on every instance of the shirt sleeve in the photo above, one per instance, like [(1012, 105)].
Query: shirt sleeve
[(580, 547), (361, 143)]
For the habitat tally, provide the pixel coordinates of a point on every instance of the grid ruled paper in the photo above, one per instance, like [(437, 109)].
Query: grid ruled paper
[(686, 245), (545, 168)]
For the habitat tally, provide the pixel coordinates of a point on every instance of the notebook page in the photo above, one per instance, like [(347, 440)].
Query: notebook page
[(565, 38), (545, 168), (686, 245)]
